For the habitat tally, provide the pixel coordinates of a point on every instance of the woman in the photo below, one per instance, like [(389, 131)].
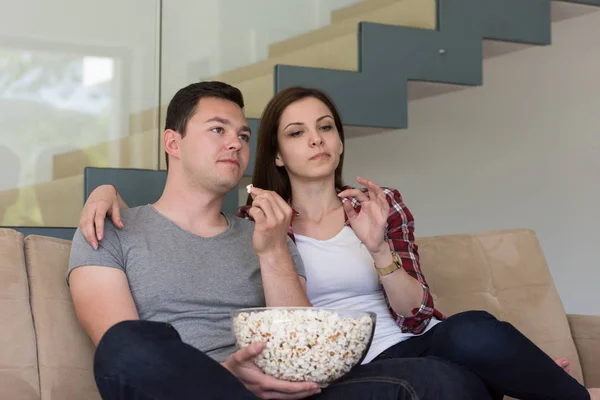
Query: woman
[(359, 252)]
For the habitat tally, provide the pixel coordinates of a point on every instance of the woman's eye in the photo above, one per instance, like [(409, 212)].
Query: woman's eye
[(296, 134), (218, 129), (326, 127)]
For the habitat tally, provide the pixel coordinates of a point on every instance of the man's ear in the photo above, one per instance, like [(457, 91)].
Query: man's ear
[(171, 142), (278, 160)]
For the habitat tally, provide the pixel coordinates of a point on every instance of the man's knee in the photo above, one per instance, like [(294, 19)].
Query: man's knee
[(128, 345)]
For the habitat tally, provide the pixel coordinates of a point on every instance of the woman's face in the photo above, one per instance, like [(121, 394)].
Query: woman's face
[(309, 143)]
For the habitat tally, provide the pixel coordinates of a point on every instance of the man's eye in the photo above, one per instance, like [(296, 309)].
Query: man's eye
[(245, 138), (218, 129)]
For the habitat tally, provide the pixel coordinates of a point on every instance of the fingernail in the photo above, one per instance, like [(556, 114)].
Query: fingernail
[(99, 236), (95, 245)]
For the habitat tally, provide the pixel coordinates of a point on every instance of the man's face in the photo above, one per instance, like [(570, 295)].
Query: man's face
[(215, 150)]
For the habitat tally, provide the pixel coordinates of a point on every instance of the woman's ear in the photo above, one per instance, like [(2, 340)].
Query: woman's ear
[(171, 141), (278, 160)]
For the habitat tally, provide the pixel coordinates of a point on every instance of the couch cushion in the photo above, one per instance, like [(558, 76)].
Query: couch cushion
[(504, 273), (65, 351), (18, 360)]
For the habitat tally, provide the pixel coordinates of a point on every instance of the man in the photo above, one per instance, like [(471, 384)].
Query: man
[(155, 295)]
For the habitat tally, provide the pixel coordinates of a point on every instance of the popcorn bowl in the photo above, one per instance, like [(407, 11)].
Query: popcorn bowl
[(305, 343)]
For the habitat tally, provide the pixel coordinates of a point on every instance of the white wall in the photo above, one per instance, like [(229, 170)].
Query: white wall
[(522, 151)]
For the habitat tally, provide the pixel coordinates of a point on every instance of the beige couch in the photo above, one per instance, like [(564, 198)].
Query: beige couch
[(45, 354)]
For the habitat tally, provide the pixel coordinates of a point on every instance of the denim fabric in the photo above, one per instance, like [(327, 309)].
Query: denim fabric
[(506, 361), (142, 360)]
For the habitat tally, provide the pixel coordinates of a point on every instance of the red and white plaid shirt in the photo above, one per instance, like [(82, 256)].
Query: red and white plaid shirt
[(400, 236)]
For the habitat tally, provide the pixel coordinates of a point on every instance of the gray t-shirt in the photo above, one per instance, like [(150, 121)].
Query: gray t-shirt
[(178, 277)]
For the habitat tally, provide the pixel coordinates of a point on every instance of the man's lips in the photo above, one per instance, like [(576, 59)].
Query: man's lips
[(230, 161)]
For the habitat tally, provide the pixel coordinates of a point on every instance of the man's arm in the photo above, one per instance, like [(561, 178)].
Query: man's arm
[(282, 284), (102, 298)]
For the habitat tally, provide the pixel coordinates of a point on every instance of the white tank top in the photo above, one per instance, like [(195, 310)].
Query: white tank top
[(340, 274)]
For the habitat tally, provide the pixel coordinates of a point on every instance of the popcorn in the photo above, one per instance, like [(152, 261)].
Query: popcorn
[(249, 188), (304, 344)]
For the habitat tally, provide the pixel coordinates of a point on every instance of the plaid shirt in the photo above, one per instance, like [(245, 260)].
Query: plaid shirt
[(400, 237)]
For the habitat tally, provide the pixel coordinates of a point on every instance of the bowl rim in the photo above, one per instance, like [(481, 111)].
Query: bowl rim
[(249, 309)]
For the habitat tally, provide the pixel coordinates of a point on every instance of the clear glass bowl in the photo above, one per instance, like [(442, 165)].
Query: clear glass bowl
[(305, 343)]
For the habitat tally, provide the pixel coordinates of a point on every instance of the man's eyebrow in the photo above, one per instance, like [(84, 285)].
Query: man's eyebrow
[(300, 123), (222, 120), (225, 121)]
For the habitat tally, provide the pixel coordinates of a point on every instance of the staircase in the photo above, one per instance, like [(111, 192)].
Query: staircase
[(373, 58)]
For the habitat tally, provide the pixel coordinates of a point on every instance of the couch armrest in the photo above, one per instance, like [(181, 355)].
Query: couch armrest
[(586, 334)]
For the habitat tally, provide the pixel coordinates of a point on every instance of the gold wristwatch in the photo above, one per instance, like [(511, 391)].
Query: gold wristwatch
[(396, 264)]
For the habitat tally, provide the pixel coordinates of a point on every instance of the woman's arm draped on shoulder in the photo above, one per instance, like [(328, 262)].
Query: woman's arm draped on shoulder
[(400, 237), (104, 200)]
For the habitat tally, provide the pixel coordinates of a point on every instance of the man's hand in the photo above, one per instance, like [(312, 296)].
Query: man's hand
[(272, 216), (241, 365), (103, 201)]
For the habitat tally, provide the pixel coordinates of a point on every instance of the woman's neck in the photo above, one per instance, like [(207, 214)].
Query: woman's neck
[(313, 200)]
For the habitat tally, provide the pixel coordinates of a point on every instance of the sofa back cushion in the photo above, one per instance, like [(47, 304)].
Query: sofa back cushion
[(504, 273), (18, 360), (65, 351)]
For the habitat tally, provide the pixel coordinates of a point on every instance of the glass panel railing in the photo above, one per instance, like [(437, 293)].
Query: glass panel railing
[(234, 41), (72, 73)]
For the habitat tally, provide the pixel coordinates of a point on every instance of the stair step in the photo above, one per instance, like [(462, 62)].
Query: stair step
[(356, 10), (339, 51), (415, 14)]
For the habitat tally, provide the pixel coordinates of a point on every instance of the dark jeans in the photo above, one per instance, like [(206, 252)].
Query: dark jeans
[(503, 357), (138, 360)]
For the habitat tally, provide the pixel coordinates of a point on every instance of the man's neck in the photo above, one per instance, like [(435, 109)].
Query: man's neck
[(193, 209), (312, 200)]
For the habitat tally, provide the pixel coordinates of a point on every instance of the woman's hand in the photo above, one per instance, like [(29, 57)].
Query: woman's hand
[(370, 222), (103, 201)]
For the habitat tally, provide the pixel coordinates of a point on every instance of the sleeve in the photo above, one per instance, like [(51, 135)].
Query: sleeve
[(243, 213), (109, 252), (400, 236), (298, 263)]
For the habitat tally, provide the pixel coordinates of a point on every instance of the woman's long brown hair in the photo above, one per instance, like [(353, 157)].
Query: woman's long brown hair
[(267, 175)]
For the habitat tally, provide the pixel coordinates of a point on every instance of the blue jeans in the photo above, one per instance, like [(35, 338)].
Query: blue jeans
[(508, 362), (142, 360)]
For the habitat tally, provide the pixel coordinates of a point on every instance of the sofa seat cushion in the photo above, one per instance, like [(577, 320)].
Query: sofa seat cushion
[(18, 359)]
